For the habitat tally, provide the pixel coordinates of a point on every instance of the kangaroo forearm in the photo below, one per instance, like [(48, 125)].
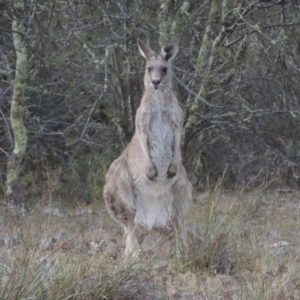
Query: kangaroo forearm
[(177, 146), (143, 139)]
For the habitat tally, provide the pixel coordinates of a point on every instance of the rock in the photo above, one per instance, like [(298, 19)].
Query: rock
[(280, 244)]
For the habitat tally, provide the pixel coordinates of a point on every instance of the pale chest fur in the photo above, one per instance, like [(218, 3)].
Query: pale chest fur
[(160, 118)]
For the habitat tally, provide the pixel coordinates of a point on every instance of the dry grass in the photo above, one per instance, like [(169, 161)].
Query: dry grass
[(233, 253)]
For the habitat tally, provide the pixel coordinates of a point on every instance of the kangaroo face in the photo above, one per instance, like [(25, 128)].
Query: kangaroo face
[(158, 72), (158, 66)]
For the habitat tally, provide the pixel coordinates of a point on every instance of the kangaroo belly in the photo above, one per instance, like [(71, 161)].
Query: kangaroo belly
[(161, 144), (154, 205)]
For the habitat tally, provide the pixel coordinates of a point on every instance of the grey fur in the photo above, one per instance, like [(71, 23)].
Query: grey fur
[(148, 185)]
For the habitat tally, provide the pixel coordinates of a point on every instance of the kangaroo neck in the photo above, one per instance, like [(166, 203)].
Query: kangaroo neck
[(159, 96)]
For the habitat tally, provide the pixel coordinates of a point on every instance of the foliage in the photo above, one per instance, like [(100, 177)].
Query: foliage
[(237, 74)]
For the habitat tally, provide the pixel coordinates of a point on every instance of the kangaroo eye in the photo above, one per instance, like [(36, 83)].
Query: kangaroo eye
[(165, 70), (149, 69)]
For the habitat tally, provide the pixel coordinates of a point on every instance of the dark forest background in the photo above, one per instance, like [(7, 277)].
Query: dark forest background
[(237, 74)]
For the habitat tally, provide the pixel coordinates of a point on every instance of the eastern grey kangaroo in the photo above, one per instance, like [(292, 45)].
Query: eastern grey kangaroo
[(148, 185)]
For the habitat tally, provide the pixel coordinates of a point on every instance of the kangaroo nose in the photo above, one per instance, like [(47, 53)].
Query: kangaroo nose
[(155, 82)]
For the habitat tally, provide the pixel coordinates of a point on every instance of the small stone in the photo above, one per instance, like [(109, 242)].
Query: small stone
[(280, 244)]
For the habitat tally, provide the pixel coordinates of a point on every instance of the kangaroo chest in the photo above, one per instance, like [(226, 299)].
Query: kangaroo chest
[(165, 115), (161, 120), (161, 127), (160, 142)]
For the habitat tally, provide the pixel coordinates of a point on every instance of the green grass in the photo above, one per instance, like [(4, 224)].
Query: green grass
[(231, 253)]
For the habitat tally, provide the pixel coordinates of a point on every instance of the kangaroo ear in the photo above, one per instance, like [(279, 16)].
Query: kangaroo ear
[(169, 50), (145, 50)]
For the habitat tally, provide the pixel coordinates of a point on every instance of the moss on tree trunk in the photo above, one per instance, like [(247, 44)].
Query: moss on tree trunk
[(18, 99)]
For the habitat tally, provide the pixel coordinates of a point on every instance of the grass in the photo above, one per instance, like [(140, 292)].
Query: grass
[(233, 253)]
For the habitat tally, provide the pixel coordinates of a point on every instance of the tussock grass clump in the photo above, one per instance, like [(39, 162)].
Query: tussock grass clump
[(213, 238), (58, 277)]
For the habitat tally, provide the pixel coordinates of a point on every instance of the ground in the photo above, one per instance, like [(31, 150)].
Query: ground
[(241, 246)]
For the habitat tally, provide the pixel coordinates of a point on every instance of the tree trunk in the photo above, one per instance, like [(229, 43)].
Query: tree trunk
[(18, 99), (205, 61), (165, 22)]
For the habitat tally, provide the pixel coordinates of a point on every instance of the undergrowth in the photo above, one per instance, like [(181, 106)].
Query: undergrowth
[(239, 247)]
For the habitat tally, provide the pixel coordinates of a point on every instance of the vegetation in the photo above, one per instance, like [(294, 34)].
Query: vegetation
[(70, 83), (237, 74), (240, 247)]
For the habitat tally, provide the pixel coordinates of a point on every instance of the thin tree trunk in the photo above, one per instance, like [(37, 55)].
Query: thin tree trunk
[(206, 65), (165, 22), (205, 61), (18, 99)]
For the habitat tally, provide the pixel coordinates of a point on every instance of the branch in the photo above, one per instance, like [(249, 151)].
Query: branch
[(13, 31), (254, 31), (273, 3), (278, 25)]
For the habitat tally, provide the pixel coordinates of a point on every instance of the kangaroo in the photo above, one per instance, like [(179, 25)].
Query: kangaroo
[(148, 185)]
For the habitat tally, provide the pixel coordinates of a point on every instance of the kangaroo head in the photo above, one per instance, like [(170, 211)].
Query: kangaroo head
[(158, 67)]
